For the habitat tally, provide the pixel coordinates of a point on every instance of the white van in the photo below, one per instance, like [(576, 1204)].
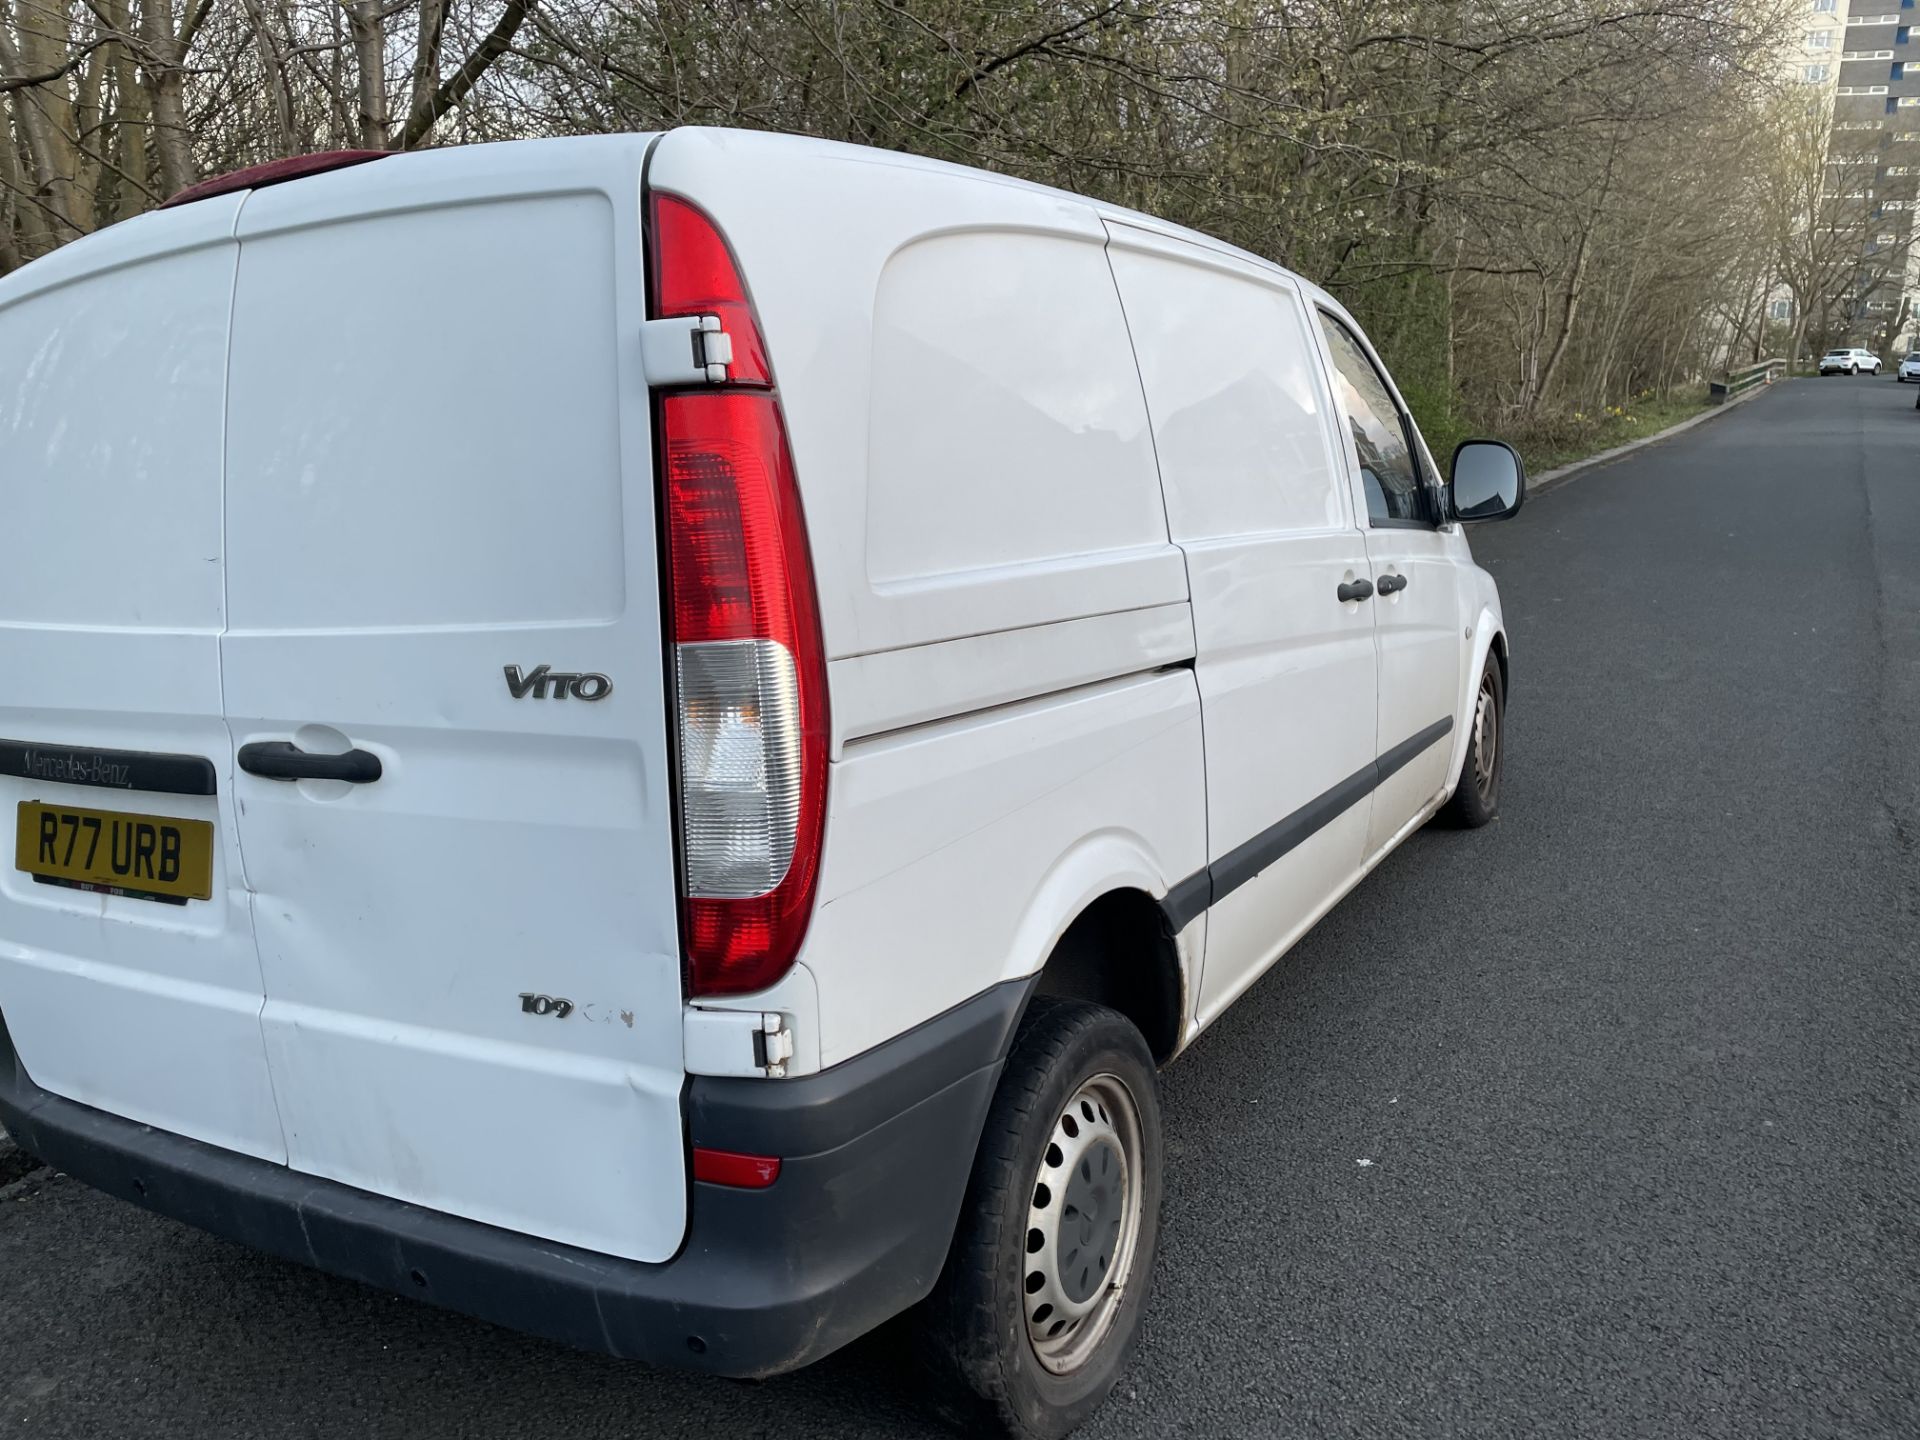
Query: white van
[(652, 738)]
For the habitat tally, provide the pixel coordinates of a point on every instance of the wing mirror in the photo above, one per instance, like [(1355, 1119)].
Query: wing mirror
[(1487, 481)]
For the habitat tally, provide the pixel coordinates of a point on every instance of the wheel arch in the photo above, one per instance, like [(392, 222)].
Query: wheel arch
[(1489, 639), (1096, 929), (1120, 952)]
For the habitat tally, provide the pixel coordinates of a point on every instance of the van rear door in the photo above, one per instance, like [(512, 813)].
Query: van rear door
[(128, 972), (442, 502)]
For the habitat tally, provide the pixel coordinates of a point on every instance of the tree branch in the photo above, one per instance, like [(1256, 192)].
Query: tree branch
[(459, 84), (10, 83)]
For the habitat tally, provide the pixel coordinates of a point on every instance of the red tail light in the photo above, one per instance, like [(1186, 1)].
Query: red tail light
[(694, 274), (750, 670)]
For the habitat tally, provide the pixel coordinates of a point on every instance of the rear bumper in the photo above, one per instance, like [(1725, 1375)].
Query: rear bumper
[(876, 1156)]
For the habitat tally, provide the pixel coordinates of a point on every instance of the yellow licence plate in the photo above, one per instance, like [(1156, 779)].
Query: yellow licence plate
[(150, 857)]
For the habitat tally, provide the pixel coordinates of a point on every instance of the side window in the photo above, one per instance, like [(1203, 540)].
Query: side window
[(1388, 468)]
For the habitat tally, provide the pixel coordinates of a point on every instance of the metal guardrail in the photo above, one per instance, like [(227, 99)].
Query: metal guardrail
[(1738, 382)]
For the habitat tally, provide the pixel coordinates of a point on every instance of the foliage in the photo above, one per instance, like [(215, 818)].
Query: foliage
[(1536, 207)]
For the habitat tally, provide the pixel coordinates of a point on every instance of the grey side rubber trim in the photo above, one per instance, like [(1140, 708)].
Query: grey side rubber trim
[(1206, 888)]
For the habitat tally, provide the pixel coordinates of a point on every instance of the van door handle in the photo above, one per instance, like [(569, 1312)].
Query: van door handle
[(284, 760), (1357, 590), (1391, 583)]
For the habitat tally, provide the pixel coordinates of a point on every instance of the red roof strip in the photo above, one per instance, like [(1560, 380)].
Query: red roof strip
[(274, 172)]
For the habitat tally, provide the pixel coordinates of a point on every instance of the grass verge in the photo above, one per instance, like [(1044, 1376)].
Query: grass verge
[(1552, 442)]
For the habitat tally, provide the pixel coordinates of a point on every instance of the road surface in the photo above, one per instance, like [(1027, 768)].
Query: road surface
[(1600, 1121)]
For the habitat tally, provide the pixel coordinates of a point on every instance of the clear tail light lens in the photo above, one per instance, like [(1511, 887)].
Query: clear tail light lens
[(739, 766)]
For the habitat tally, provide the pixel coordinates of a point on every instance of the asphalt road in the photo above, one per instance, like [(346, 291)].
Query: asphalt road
[(1600, 1121)]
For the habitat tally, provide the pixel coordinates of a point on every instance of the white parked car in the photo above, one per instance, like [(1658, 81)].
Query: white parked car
[(652, 738), (1909, 368), (1849, 361)]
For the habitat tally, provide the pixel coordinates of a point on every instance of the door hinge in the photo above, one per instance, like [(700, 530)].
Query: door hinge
[(685, 350), (737, 1042), (773, 1045)]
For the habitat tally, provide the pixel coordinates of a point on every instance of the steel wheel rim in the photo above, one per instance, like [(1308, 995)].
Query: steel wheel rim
[(1486, 739), (1083, 1224)]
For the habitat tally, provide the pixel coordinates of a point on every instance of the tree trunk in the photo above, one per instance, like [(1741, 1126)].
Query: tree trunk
[(162, 65), (275, 69), (133, 173), (11, 257), (44, 114), (369, 30), (425, 81)]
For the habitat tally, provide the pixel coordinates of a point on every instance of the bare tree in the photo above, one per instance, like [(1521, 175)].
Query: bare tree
[(1536, 205)]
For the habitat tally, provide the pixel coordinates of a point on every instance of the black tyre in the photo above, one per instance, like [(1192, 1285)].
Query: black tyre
[(1039, 1307), (1476, 799)]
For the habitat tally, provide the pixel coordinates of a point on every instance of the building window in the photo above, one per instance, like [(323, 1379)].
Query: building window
[(1819, 40), (1866, 54), (1825, 7), (1899, 69), (1782, 310), (1813, 74)]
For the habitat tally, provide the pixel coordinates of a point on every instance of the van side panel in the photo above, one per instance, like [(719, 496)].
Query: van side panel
[(945, 841), (113, 358), (998, 438), (441, 462), (967, 430), (1258, 503), (1000, 602)]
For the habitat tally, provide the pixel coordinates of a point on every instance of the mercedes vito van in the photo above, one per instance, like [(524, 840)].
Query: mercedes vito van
[(652, 738)]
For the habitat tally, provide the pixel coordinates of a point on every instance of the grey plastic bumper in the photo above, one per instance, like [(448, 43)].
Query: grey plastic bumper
[(876, 1154)]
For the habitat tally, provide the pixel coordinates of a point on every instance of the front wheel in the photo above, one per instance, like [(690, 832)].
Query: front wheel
[(1039, 1307), (1476, 799)]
